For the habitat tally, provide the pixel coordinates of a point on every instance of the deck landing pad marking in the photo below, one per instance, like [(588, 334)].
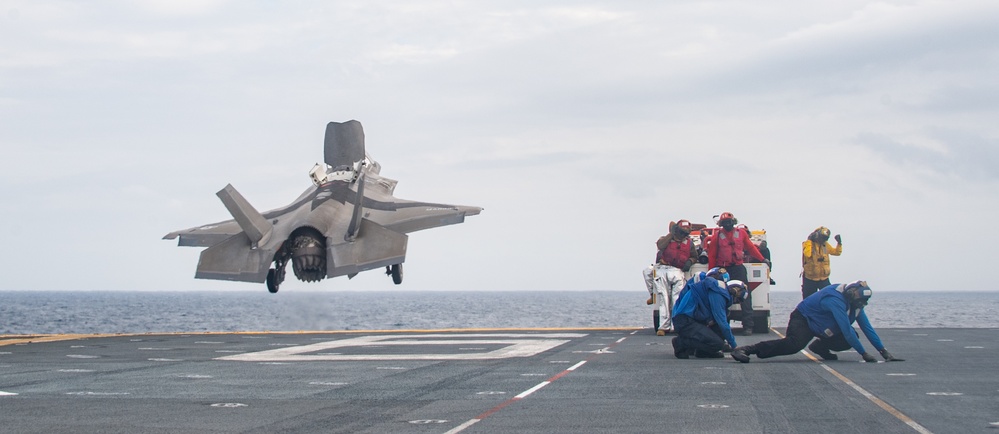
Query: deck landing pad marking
[(514, 345)]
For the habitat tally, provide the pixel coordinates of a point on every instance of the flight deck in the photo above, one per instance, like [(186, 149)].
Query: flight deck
[(487, 381)]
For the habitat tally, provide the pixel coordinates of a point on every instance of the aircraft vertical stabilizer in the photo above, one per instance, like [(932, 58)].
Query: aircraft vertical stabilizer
[(257, 228)]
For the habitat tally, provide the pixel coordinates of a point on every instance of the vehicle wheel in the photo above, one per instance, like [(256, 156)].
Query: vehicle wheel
[(655, 320), (272, 285), (397, 273), (761, 323)]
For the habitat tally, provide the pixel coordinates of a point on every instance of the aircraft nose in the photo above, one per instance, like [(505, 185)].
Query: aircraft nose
[(470, 210)]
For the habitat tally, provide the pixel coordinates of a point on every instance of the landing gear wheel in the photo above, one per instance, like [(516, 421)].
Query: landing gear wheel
[(655, 320), (396, 272), (272, 283)]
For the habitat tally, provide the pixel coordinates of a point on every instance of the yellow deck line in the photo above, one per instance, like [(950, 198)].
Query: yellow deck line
[(877, 401), (27, 339)]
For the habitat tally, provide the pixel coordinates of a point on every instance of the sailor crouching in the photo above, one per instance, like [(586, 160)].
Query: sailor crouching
[(700, 316), (828, 315)]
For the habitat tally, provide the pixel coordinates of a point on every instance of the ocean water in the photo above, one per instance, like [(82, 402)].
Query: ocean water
[(27, 312)]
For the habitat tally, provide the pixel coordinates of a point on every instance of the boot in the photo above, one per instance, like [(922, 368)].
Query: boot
[(820, 350), (680, 354), (742, 353), (708, 355), (661, 332)]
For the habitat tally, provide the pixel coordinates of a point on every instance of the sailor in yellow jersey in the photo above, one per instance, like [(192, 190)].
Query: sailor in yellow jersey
[(815, 253)]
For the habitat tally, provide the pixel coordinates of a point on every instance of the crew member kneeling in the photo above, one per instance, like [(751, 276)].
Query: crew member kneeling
[(701, 316), (828, 315)]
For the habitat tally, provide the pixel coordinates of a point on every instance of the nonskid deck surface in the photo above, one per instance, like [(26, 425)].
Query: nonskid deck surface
[(487, 381)]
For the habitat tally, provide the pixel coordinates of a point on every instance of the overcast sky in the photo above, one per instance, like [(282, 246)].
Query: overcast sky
[(581, 127)]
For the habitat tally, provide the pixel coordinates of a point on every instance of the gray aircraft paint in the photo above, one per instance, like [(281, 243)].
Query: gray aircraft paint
[(363, 224)]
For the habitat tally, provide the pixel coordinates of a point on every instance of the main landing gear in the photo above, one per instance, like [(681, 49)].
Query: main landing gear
[(395, 271)]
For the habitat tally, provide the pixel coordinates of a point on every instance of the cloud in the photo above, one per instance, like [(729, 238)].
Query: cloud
[(960, 154)]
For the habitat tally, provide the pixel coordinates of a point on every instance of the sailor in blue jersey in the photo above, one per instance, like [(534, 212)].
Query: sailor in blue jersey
[(829, 316), (700, 315)]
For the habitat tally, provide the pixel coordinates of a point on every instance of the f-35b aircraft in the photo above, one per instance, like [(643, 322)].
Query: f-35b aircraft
[(347, 222)]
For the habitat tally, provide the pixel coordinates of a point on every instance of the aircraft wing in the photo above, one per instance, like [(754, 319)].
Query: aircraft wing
[(205, 235), (408, 216)]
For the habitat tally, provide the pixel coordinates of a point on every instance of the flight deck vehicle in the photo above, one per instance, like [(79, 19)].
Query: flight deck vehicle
[(758, 282)]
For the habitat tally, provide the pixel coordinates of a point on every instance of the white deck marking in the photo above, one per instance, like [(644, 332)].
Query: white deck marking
[(514, 345), (527, 392), (97, 393), (2, 393), (877, 401), (462, 427)]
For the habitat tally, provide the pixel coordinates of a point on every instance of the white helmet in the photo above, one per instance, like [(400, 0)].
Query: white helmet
[(738, 290)]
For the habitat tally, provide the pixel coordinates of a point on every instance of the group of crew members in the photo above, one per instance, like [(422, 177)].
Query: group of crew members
[(697, 308)]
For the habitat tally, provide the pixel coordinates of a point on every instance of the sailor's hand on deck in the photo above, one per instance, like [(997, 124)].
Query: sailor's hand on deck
[(890, 358)]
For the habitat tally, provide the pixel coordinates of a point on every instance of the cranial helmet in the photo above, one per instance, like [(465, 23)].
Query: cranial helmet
[(682, 228), (718, 273), (727, 220), (857, 293), (822, 231), (737, 290)]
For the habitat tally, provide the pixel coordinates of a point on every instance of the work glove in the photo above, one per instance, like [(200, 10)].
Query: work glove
[(869, 358), (652, 299), (890, 358), (687, 265), (839, 239)]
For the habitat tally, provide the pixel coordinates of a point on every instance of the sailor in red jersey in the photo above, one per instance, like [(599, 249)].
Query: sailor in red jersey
[(726, 248), (664, 279)]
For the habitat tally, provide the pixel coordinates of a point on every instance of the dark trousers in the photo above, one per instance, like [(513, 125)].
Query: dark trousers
[(738, 272), (809, 287), (796, 338), (691, 334)]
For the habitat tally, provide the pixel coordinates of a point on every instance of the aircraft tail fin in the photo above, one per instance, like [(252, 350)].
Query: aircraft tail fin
[(344, 143), (257, 228)]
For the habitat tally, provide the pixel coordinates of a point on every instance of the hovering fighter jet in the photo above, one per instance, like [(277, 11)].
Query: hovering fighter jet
[(347, 222)]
